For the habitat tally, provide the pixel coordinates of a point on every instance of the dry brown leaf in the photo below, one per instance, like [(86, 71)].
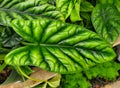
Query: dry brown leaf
[(40, 76), (107, 86), (113, 85), (117, 42), (13, 85)]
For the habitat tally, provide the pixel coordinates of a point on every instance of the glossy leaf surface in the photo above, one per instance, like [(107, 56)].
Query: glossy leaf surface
[(106, 21), (113, 2), (117, 4), (9, 38), (86, 6), (65, 6), (75, 14), (27, 9), (58, 46)]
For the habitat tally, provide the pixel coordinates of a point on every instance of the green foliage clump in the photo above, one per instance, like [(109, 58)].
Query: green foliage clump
[(107, 71), (76, 80)]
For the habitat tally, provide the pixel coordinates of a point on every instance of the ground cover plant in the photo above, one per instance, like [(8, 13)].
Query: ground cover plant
[(74, 38)]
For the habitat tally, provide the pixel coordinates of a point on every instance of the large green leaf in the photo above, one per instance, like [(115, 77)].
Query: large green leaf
[(27, 9), (58, 46), (106, 21), (113, 2)]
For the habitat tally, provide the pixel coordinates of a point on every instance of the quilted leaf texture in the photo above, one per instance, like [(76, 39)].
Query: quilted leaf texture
[(65, 7), (27, 9), (57, 46), (106, 21)]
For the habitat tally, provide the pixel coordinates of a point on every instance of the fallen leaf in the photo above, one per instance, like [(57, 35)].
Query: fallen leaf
[(113, 85), (40, 76), (117, 42)]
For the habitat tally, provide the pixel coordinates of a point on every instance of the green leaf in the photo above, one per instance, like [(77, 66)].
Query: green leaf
[(106, 21), (117, 4), (75, 14), (86, 6), (54, 82), (1, 29), (65, 7), (44, 85), (27, 9), (113, 2), (107, 1), (86, 16), (58, 46), (9, 38)]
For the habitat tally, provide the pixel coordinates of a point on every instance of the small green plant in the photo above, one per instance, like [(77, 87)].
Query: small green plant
[(107, 71), (63, 36), (77, 80)]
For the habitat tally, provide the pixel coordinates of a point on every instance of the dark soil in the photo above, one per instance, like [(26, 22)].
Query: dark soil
[(98, 82), (4, 74)]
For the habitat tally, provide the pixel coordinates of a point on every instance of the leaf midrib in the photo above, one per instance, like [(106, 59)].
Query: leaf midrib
[(17, 11), (49, 45), (58, 46)]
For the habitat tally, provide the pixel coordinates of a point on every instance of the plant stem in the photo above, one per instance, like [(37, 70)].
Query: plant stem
[(3, 66), (34, 79)]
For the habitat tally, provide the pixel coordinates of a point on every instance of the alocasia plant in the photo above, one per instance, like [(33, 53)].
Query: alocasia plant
[(27, 9), (58, 46), (106, 20)]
